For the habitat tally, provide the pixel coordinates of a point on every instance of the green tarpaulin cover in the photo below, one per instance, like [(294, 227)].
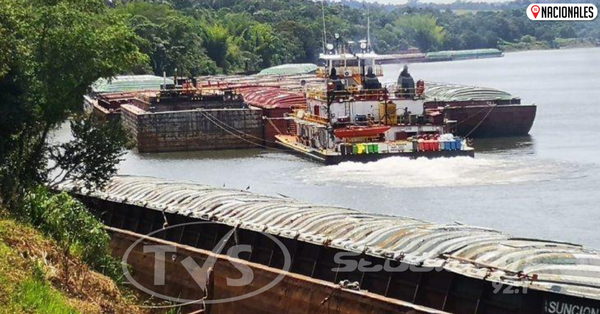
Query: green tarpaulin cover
[(290, 69), (454, 92), (125, 83), (474, 53)]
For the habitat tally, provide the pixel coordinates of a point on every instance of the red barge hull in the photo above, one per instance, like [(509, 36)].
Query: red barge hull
[(491, 121), (471, 111)]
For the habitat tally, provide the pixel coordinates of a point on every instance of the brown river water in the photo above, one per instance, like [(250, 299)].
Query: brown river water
[(546, 185)]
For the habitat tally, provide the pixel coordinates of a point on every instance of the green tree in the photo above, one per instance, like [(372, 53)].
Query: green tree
[(83, 158), (74, 228), (217, 44), (421, 30), (171, 39), (57, 49)]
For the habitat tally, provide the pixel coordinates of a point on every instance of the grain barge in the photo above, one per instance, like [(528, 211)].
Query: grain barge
[(435, 267), (184, 118), (207, 113), (480, 111)]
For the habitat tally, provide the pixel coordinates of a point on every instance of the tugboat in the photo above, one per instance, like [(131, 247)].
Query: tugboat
[(351, 117)]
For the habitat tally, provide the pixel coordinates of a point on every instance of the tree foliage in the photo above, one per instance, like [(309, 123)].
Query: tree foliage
[(56, 49), (73, 227), (83, 159), (248, 35), (422, 30), (170, 38)]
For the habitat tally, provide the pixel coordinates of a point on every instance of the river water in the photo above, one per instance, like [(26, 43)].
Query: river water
[(546, 185)]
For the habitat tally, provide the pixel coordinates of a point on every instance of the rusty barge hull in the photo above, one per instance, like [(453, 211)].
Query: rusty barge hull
[(492, 121), (480, 111), (244, 117), (477, 270), (295, 293)]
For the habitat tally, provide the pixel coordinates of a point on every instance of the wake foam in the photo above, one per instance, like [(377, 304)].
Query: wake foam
[(423, 172)]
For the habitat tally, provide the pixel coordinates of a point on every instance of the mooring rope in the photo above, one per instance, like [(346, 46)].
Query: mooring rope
[(210, 118), (273, 125), (480, 122), (214, 121), (467, 118)]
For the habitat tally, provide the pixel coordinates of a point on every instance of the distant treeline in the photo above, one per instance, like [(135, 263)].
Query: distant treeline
[(233, 36)]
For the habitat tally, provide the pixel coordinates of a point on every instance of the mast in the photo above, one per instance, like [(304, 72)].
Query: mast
[(368, 29), (324, 30)]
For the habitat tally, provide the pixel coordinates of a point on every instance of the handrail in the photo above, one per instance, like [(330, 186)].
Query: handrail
[(314, 118), (319, 94), (341, 70)]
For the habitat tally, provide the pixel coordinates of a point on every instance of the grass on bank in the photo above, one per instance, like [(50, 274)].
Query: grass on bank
[(31, 278)]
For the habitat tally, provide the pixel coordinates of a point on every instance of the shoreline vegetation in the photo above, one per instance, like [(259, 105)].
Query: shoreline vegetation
[(32, 278), (559, 43), (55, 256), (55, 259), (246, 36)]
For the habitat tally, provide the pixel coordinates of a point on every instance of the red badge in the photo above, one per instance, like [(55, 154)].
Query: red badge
[(535, 10)]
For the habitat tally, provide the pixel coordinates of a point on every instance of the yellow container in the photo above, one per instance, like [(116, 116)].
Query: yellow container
[(361, 148), (387, 113)]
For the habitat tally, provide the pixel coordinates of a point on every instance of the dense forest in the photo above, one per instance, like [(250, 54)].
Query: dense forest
[(230, 36)]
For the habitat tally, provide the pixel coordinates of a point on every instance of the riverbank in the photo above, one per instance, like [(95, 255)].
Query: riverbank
[(531, 43), (527, 43), (32, 280)]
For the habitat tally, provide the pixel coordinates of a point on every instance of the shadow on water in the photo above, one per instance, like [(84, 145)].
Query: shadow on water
[(520, 145), (203, 155)]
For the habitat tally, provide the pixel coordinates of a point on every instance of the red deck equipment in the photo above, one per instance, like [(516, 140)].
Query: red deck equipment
[(367, 131), (275, 103)]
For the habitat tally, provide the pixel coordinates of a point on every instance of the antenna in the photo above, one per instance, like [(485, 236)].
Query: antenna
[(324, 30), (368, 29)]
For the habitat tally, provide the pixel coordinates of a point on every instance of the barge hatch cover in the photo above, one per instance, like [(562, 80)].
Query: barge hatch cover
[(556, 269)]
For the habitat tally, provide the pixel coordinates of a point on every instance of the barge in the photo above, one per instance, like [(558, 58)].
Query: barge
[(480, 111), (191, 114), (454, 55), (413, 266), (275, 104), (183, 117)]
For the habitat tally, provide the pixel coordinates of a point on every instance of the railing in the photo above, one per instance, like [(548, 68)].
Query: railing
[(307, 116), (349, 71), (349, 94)]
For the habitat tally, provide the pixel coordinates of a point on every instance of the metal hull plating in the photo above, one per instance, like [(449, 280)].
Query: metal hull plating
[(492, 121), (453, 268), (295, 293)]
